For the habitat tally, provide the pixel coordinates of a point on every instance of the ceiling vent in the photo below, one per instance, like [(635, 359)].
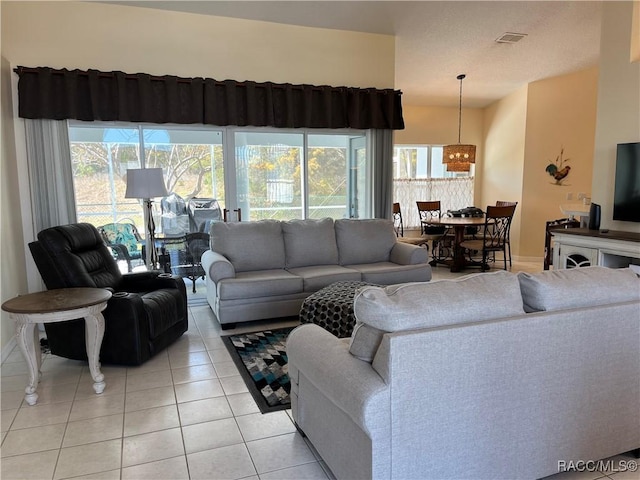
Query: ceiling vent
[(510, 37)]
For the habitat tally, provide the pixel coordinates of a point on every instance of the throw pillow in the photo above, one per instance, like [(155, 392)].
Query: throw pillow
[(249, 245), (413, 306), (577, 287), (364, 241)]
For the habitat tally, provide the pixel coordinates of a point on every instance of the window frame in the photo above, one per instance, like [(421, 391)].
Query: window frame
[(229, 162)]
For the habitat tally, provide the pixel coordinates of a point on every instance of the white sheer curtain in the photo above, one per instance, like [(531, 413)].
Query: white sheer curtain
[(453, 193), (381, 148), (50, 174)]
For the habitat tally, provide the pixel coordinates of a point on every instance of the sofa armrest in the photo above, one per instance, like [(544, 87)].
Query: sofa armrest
[(350, 384), (217, 266), (407, 254)]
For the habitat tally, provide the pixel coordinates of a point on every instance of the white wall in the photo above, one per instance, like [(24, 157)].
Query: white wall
[(13, 278), (618, 117)]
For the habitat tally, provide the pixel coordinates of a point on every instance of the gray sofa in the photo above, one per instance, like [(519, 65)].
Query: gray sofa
[(493, 376), (265, 269)]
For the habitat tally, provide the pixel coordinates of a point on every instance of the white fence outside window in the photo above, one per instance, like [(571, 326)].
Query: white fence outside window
[(453, 193)]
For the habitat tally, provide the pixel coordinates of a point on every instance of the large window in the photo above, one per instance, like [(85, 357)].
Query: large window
[(260, 173), (420, 175), (191, 161)]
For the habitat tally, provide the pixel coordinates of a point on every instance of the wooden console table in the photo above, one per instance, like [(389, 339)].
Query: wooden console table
[(58, 306), (581, 247)]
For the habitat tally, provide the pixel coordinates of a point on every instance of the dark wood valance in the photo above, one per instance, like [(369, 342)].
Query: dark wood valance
[(117, 96)]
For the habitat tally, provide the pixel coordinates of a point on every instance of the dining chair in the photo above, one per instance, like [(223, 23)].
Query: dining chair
[(440, 242), (496, 230), (183, 253), (503, 203), (397, 220)]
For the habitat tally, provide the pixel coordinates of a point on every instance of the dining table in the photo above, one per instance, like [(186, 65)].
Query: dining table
[(459, 225)]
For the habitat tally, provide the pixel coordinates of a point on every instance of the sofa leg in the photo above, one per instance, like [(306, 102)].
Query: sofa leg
[(227, 326)]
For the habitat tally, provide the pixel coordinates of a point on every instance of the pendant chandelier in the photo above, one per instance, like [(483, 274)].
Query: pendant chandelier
[(458, 167), (459, 157)]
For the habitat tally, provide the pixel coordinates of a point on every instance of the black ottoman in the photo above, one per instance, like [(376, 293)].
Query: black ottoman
[(332, 308)]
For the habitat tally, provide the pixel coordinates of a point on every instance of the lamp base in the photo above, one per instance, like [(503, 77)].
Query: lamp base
[(152, 252)]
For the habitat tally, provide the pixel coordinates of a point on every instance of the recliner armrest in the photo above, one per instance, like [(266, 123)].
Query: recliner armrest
[(217, 266), (351, 384), (147, 281), (407, 254)]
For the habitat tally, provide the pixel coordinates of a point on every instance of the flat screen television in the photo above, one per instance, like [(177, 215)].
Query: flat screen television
[(626, 200)]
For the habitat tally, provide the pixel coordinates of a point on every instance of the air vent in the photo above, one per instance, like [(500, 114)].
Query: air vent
[(509, 37)]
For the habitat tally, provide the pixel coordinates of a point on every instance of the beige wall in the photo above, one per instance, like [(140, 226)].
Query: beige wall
[(439, 126), (13, 279), (114, 37), (524, 132), (635, 33), (618, 118), (561, 113), (499, 177)]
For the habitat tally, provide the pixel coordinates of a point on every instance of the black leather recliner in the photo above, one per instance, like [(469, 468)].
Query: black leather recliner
[(147, 312)]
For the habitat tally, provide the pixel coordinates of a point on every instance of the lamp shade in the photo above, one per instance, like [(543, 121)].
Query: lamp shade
[(145, 183), (458, 167), (459, 153)]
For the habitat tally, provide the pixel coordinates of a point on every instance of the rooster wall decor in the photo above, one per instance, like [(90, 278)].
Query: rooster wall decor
[(558, 170)]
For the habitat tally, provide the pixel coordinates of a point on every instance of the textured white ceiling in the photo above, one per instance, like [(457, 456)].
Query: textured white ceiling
[(437, 40)]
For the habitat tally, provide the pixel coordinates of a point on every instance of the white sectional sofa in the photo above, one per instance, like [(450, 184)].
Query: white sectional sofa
[(493, 376), (265, 269)]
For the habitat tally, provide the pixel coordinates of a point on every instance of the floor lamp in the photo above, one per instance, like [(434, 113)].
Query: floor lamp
[(147, 183)]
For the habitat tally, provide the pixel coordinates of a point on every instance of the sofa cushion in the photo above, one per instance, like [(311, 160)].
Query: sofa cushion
[(577, 287), (309, 242), (410, 306), (249, 245), (364, 241), (388, 273), (319, 276), (260, 283)]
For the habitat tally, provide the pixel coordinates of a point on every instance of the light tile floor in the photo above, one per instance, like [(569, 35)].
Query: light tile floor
[(185, 414)]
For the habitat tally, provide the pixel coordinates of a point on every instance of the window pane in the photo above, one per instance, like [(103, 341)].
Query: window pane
[(192, 164), (411, 162), (327, 175), (360, 173), (438, 169), (268, 169), (100, 158)]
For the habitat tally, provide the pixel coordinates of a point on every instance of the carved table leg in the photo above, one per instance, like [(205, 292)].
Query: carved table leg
[(94, 330), (25, 335)]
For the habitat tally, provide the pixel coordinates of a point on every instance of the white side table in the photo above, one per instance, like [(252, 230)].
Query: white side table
[(58, 306)]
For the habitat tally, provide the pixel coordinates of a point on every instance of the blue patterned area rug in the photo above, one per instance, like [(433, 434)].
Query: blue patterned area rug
[(262, 360)]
